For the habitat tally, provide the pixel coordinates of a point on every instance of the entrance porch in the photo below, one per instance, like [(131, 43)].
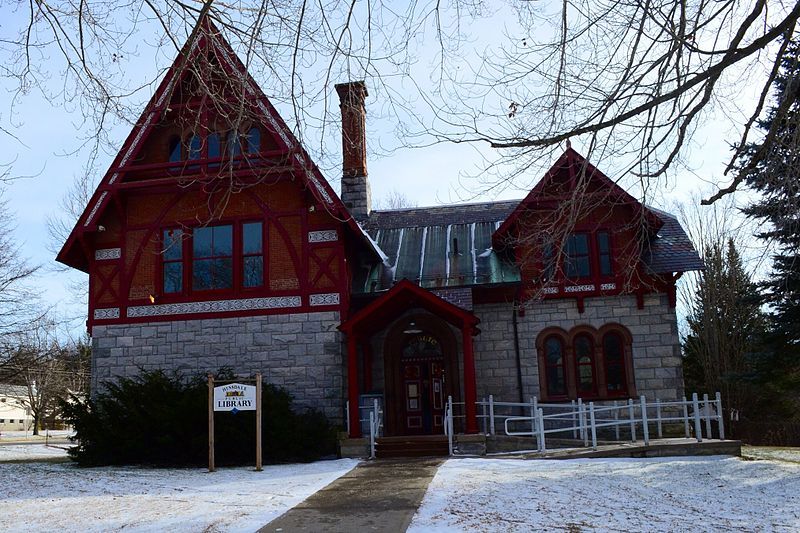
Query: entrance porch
[(409, 351)]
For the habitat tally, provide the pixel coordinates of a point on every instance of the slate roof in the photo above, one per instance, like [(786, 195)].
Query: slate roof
[(419, 244), (670, 250)]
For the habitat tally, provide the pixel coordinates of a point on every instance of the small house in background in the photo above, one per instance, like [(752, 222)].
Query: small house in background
[(215, 241), (14, 415)]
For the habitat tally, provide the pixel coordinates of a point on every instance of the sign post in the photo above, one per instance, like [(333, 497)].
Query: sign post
[(210, 422), (234, 397)]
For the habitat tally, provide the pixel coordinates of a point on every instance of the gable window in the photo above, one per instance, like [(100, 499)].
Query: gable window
[(252, 254), (233, 145), (577, 262), (604, 253), (212, 258), (195, 147), (585, 363), (174, 148), (253, 141)]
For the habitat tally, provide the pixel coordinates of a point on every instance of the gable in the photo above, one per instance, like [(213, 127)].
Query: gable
[(180, 99)]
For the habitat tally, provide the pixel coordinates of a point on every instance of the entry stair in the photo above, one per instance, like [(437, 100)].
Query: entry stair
[(411, 446)]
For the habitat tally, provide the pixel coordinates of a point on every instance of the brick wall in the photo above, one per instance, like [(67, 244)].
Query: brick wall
[(656, 348), (301, 352)]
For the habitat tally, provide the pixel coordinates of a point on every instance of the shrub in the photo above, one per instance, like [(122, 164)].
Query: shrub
[(162, 419)]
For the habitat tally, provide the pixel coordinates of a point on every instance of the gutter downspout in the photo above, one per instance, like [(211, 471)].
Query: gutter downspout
[(516, 352)]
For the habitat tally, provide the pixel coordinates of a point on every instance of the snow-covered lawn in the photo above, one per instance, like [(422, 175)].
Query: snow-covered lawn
[(665, 494), (30, 452), (62, 497)]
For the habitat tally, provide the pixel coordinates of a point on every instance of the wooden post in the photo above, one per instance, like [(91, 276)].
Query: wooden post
[(707, 414), (491, 414), (720, 418), (633, 420), (258, 422), (210, 423), (698, 431), (658, 418), (594, 428), (686, 419), (645, 429)]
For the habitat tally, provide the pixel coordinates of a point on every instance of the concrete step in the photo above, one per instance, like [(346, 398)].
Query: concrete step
[(412, 446)]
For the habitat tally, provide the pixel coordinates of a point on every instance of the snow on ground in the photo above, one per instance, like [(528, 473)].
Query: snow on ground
[(773, 453), (22, 435), (664, 494), (63, 497), (29, 452)]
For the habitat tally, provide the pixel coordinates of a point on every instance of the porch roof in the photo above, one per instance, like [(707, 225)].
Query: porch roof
[(405, 295)]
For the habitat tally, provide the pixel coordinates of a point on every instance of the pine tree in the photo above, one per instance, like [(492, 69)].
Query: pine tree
[(726, 325), (777, 178)]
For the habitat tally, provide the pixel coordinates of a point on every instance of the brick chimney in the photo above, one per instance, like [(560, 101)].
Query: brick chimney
[(356, 194)]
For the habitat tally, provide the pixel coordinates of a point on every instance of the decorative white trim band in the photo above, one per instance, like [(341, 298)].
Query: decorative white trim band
[(216, 306), (608, 286), (323, 236), (579, 288), (324, 299), (106, 314), (107, 253), (93, 212), (550, 290)]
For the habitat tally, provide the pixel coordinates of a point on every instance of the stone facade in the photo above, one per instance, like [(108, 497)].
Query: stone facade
[(300, 352), (656, 347)]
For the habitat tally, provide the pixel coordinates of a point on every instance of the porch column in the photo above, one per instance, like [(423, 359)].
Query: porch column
[(352, 385), (470, 393)]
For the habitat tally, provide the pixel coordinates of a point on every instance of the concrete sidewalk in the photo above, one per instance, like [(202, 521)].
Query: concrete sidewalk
[(380, 495)]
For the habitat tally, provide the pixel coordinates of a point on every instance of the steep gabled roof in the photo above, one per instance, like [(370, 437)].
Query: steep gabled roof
[(570, 162), (205, 37)]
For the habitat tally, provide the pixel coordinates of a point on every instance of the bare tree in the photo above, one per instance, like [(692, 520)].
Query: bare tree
[(394, 199), (634, 79)]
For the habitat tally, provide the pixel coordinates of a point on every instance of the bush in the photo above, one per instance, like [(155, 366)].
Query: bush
[(162, 419)]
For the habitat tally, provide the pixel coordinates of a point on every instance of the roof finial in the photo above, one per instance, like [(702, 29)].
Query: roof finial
[(569, 144)]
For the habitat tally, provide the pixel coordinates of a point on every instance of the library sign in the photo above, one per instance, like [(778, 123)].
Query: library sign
[(235, 397)]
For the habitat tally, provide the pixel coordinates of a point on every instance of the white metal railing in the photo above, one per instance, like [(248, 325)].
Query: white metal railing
[(582, 420), (372, 414)]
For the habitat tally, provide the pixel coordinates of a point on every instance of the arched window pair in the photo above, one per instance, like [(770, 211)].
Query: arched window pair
[(235, 144), (585, 363)]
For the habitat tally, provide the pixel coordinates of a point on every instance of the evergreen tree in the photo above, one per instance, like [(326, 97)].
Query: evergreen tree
[(776, 176), (725, 329)]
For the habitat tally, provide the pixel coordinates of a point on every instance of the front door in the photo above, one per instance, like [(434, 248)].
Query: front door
[(423, 386)]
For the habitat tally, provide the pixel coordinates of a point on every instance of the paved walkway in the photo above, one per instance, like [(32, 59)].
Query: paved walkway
[(380, 495)]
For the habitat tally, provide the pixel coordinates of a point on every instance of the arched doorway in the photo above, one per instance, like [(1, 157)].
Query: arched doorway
[(420, 372)]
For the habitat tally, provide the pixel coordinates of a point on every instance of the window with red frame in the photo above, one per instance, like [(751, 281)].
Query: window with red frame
[(585, 375), (555, 368), (172, 256), (252, 254), (212, 258), (614, 362), (604, 253), (577, 258)]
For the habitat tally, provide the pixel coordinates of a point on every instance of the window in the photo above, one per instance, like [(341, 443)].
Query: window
[(548, 259), (252, 254), (226, 256), (174, 148), (195, 147), (212, 258), (253, 141), (554, 361), (604, 253), (614, 362), (576, 256), (585, 363), (172, 254), (233, 145)]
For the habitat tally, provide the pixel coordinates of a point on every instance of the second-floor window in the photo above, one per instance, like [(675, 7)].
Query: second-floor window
[(585, 255), (213, 258)]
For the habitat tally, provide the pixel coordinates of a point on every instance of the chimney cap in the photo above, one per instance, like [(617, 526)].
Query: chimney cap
[(351, 89)]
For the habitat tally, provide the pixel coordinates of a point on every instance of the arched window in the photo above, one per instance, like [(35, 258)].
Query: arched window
[(554, 367), (585, 375), (174, 148), (253, 141), (614, 362)]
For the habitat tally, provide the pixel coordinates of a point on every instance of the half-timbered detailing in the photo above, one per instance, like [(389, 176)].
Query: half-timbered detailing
[(324, 299), (608, 286), (323, 236), (110, 313), (215, 306), (104, 254)]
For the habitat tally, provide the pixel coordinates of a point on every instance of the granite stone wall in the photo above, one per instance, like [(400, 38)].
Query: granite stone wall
[(656, 347), (301, 352)]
